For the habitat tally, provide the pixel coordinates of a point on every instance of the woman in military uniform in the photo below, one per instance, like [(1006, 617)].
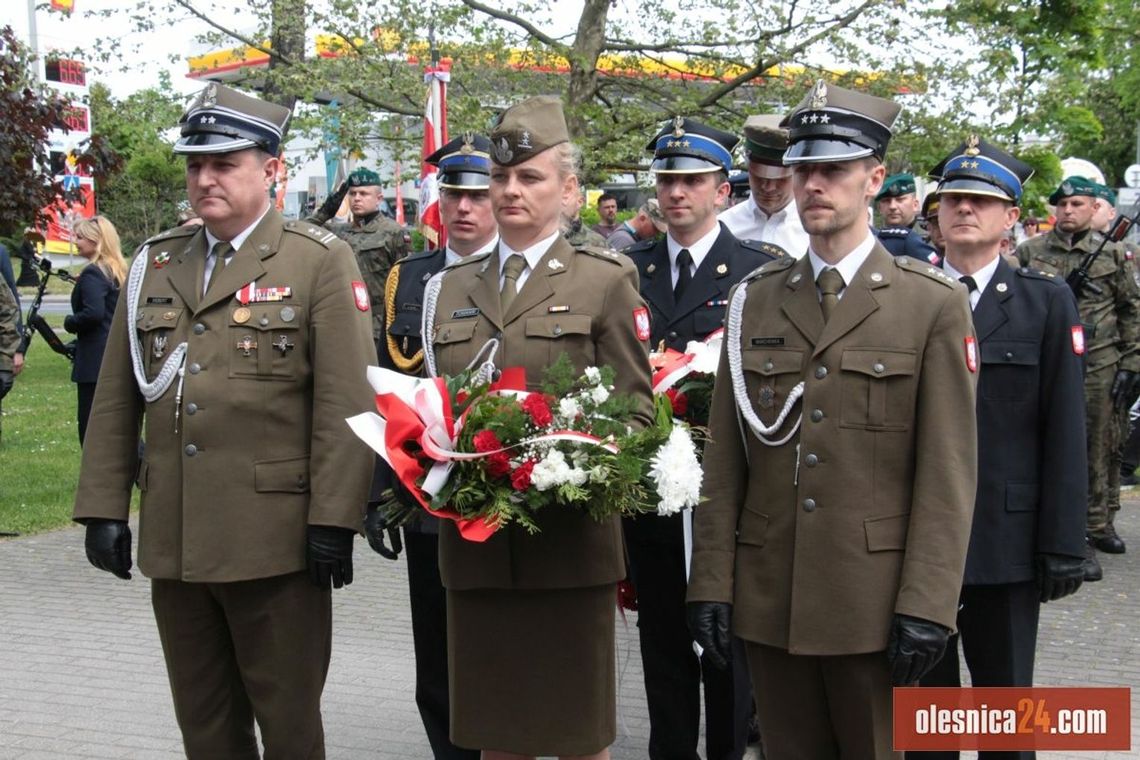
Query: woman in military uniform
[(531, 617)]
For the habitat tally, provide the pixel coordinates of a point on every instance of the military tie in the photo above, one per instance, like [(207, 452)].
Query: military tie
[(971, 287), (512, 269), (221, 253), (684, 274), (830, 283)]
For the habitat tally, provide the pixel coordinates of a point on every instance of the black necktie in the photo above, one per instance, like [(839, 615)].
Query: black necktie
[(685, 274), (969, 282)]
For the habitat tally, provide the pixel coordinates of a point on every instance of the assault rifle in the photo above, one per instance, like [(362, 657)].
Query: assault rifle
[(35, 323), (1080, 278)]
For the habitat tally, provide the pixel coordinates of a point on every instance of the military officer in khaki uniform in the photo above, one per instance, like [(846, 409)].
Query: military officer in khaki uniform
[(531, 617), (1110, 313), (239, 348), (377, 240), (840, 478)]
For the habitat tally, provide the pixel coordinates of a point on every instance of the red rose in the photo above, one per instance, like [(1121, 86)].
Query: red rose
[(679, 401), (520, 478), (538, 408), (461, 396), (498, 464), (486, 440)]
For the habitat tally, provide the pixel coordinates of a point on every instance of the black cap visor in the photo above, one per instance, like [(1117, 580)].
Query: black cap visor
[(684, 165), (974, 186), (465, 180), (809, 151)]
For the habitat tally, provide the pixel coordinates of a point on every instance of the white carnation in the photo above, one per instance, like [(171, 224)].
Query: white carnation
[(599, 394), (569, 408), (676, 472), (705, 356), (553, 470), (593, 375)]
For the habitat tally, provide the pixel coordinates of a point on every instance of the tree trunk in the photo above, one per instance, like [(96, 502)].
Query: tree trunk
[(288, 39), (588, 44)]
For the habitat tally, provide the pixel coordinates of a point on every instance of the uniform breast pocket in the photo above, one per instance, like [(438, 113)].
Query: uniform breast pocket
[(770, 374), (557, 334), (1009, 370), (265, 343), (453, 344), (404, 330), (878, 388), (707, 319), (157, 327)]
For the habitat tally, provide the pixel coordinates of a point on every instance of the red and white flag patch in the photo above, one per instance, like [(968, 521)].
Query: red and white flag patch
[(971, 353), (641, 322), (360, 295), (1078, 334)]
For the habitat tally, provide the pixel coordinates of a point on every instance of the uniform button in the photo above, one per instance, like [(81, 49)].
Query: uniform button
[(816, 415), (263, 321), (558, 329), (811, 460), (820, 373), (199, 328), (191, 408), (672, 335), (1009, 356), (301, 481), (878, 367), (809, 505), (769, 366), (195, 368), (191, 450), (446, 334)]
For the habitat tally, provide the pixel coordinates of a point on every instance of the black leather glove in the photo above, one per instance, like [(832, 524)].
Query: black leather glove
[(1124, 390), (1058, 575), (7, 378), (328, 555), (333, 201), (914, 647), (375, 526), (108, 545), (711, 626)]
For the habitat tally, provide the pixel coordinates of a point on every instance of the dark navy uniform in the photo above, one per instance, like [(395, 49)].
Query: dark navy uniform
[(903, 241), (656, 544)]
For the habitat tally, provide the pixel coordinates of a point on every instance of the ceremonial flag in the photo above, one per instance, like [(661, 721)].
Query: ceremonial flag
[(399, 197), (436, 76)]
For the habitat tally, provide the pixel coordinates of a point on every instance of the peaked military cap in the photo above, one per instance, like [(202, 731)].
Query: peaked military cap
[(222, 120), (1106, 193), (527, 128), (897, 185), (464, 163), (833, 123), (978, 168), (684, 146), (1075, 185), (930, 206), (764, 139), (363, 178)]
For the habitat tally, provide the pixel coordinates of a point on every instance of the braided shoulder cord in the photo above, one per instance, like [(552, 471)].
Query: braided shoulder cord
[(733, 326), (403, 363), (427, 326), (173, 365)]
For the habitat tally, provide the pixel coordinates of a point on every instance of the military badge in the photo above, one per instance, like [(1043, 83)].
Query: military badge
[(288, 314), (360, 295), (641, 322), (555, 264), (766, 398), (819, 96), (158, 348), (971, 353), (241, 315), (246, 345), (1066, 188), (722, 268), (1078, 335), (502, 151), (161, 259)]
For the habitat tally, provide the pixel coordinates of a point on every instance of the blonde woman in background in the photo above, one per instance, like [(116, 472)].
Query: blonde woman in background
[(92, 305)]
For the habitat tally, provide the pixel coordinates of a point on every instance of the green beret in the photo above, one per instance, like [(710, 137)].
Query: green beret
[(363, 178), (1072, 186), (897, 185), (1106, 193)]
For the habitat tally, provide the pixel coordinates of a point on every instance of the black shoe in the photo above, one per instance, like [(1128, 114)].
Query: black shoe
[(1109, 542), (1093, 571)]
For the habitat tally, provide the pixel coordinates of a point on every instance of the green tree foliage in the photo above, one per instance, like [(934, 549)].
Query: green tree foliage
[(141, 196), (30, 111)]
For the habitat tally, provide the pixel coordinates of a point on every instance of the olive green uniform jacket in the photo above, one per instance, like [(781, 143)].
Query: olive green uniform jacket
[(865, 512), (9, 337), (259, 448), (378, 244), (1111, 318), (578, 302)]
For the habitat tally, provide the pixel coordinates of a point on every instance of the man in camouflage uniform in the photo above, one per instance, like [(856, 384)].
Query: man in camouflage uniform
[(9, 338), (577, 234), (377, 240), (1110, 313)]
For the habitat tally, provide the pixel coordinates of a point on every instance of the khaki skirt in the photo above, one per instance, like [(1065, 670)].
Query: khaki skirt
[(532, 672)]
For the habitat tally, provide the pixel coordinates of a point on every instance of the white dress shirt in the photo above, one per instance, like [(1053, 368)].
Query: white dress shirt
[(532, 255), (747, 221), (848, 266), (697, 250), (981, 277), (450, 256), (212, 241)]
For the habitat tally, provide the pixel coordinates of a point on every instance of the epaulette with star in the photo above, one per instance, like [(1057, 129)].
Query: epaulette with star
[(769, 248), (895, 231), (183, 231), (314, 232), (605, 254), (641, 246), (907, 264), (472, 259), (776, 265), (1037, 274)]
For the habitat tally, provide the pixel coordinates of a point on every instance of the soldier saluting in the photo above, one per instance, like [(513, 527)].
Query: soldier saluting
[(840, 478), (238, 348)]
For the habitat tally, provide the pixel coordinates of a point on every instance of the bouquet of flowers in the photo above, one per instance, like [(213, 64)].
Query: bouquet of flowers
[(490, 454), (686, 379)]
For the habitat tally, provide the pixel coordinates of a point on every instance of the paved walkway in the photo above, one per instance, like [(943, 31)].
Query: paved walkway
[(82, 676)]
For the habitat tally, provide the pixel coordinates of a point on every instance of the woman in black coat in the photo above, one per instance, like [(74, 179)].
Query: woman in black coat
[(93, 304)]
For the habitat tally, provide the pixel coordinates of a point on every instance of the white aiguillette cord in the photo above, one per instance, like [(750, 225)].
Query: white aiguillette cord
[(174, 364)]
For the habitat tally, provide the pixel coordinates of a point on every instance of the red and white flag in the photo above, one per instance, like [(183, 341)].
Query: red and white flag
[(399, 197), (435, 136)]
